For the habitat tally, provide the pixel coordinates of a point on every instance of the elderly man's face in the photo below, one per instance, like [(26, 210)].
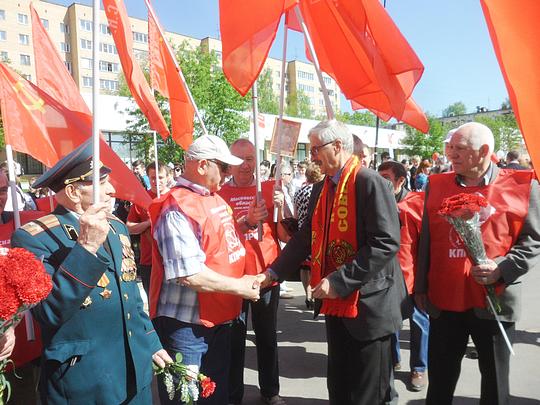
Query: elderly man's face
[(465, 159), (86, 192), (4, 190), (243, 174)]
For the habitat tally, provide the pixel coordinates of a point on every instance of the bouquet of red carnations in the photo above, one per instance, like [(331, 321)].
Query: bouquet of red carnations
[(466, 213), (190, 382), (24, 282)]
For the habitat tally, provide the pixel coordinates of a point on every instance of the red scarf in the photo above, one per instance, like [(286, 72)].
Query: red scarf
[(334, 240)]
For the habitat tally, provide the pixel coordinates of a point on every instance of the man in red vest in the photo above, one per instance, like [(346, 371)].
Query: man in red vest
[(239, 192), (452, 289), (197, 281)]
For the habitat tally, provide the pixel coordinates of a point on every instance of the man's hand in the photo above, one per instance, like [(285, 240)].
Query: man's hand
[(7, 343), (486, 273), (264, 279), (324, 290), (279, 197), (256, 212), (420, 299), (249, 287), (94, 227), (161, 358)]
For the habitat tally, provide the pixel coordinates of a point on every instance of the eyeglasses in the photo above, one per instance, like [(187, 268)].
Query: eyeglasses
[(286, 174), (315, 149), (223, 166)]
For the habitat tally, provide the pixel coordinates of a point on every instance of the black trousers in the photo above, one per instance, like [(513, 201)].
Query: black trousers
[(264, 321), (359, 372), (448, 337)]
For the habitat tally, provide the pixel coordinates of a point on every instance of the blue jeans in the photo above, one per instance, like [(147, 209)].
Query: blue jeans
[(264, 321), (419, 342), (208, 348)]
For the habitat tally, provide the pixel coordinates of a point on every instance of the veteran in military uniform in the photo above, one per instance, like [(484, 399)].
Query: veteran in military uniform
[(98, 343)]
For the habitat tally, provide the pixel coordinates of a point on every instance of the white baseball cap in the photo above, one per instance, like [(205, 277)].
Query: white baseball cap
[(449, 135), (212, 147)]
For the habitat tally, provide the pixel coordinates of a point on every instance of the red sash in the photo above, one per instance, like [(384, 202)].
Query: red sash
[(451, 286), (410, 217), (219, 241), (334, 240), (258, 254)]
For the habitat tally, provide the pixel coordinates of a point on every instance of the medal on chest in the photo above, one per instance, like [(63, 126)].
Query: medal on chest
[(129, 268)]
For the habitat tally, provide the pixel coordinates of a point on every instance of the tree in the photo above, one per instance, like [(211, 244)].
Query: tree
[(364, 118), (505, 105), (298, 105), (219, 105), (268, 100), (425, 145), (458, 108)]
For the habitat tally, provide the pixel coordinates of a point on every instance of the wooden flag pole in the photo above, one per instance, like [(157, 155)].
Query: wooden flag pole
[(156, 165), (95, 100), (258, 193)]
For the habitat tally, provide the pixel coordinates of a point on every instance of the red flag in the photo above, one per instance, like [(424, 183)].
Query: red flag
[(248, 29), (514, 32), (165, 78), (123, 38)]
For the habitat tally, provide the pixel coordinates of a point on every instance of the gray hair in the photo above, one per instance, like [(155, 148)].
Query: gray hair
[(332, 130)]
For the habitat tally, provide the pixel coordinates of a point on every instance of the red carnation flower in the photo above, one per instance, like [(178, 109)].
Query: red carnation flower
[(10, 303), (208, 386)]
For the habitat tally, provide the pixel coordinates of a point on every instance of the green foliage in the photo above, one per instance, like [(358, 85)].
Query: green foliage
[(268, 100), (364, 118), (218, 103), (458, 108), (505, 131), (298, 105), (505, 105), (425, 145)]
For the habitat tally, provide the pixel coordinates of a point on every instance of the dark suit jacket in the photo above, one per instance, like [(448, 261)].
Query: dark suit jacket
[(92, 351), (515, 166), (375, 271)]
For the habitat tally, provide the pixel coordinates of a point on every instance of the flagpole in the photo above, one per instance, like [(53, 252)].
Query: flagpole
[(13, 186), (158, 191), (280, 116), (95, 100), (329, 109), (257, 157), (197, 113)]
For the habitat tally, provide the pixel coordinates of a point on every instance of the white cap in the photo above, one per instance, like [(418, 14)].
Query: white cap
[(212, 147), (449, 135)]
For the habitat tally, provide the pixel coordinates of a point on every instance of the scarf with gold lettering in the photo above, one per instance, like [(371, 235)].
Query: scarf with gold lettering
[(333, 240)]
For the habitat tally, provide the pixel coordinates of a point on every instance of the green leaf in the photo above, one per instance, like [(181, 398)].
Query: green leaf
[(178, 357)]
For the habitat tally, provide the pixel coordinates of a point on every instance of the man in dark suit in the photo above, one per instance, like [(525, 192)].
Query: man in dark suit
[(98, 342), (353, 236), (512, 159), (452, 289)]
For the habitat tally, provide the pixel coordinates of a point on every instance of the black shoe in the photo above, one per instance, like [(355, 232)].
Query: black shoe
[(309, 304), (275, 400)]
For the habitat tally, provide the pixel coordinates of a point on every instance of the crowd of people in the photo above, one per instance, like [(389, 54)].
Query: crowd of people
[(368, 246)]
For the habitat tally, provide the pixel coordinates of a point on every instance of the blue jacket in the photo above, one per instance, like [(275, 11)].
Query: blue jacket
[(98, 342)]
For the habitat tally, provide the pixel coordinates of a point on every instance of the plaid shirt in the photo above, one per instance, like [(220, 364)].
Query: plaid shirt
[(178, 239)]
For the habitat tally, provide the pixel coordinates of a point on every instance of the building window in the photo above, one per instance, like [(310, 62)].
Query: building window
[(327, 81), (86, 63), (86, 44), (104, 29), (140, 37), (45, 23), (305, 75), (22, 18), (107, 48), (24, 39), (65, 47), (4, 56), (25, 59), (86, 25), (2, 15), (306, 88), (87, 81), (64, 28), (68, 66), (3, 35), (105, 66), (110, 85), (140, 54)]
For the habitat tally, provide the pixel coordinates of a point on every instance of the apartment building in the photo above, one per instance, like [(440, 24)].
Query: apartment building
[(70, 28)]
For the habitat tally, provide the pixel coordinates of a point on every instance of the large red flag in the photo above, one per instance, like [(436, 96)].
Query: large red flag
[(123, 38), (165, 78), (514, 31), (248, 29)]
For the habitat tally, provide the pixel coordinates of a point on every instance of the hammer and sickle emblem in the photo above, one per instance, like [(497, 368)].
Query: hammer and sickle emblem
[(34, 103)]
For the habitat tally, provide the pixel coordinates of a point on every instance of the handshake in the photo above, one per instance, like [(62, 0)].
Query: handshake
[(250, 286)]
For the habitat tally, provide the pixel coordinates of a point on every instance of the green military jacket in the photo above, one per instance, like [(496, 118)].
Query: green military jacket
[(98, 342)]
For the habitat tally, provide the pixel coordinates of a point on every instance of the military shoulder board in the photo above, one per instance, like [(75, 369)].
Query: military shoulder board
[(42, 224)]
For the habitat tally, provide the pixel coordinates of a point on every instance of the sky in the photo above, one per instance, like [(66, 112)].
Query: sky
[(450, 38)]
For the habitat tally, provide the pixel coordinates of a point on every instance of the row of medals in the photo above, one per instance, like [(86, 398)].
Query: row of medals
[(129, 271)]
